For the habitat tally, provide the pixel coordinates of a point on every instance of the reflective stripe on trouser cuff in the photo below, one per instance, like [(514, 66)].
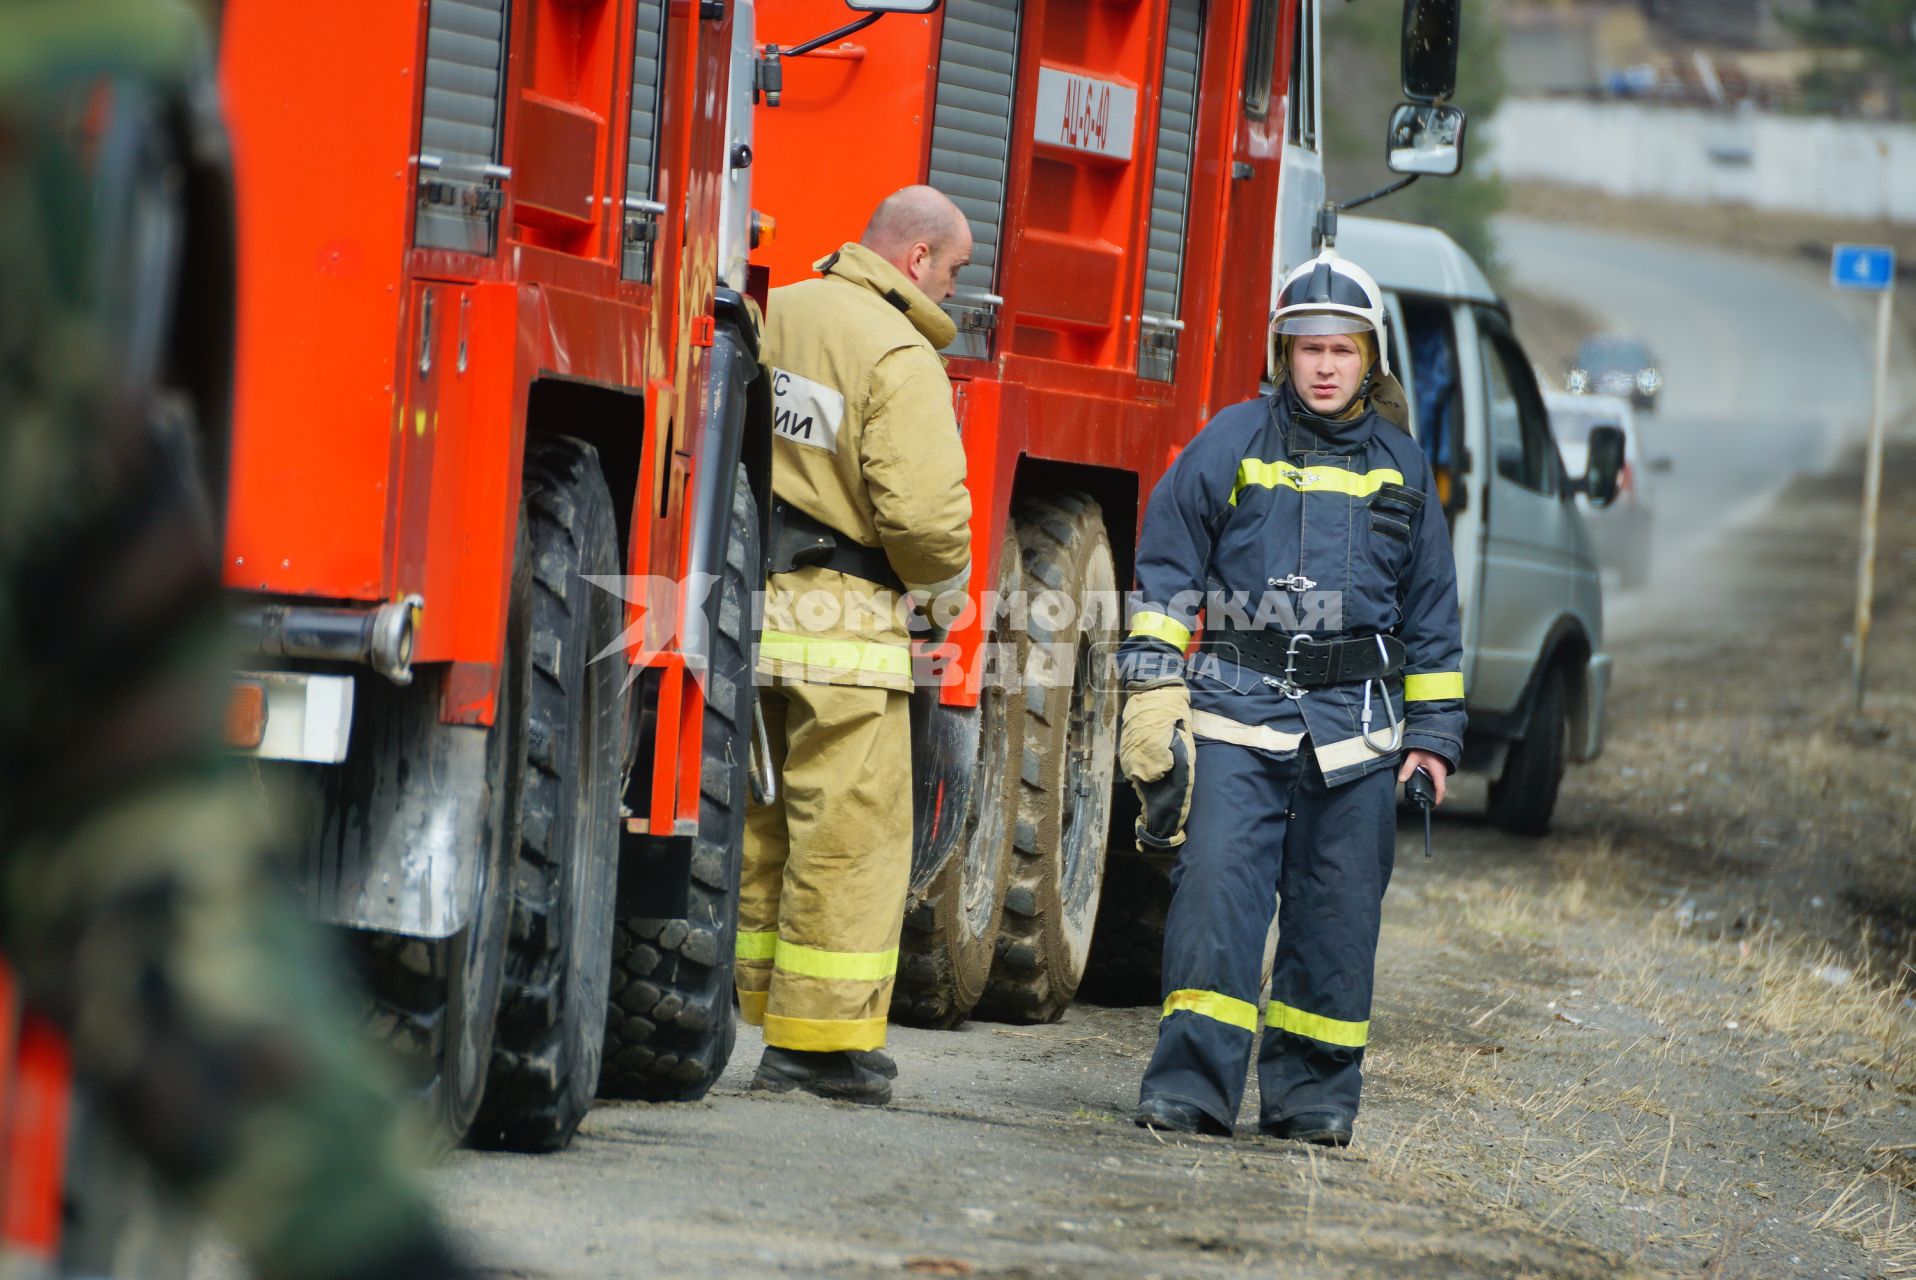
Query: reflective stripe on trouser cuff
[(836, 655), (1346, 752), (751, 1006), (1313, 1026), (1152, 625), (822, 1035), (1209, 724), (759, 945), (842, 966), (1219, 1008), (1434, 686)]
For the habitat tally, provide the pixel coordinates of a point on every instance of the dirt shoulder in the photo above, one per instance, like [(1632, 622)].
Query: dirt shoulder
[(1680, 1028)]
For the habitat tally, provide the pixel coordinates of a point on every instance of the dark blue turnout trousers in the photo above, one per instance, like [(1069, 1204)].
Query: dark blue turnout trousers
[(1260, 825)]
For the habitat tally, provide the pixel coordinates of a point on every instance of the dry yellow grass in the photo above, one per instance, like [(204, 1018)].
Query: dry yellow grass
[(1833, 1057)]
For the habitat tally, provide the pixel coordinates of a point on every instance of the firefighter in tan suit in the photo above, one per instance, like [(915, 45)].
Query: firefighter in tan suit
[(871, 531)]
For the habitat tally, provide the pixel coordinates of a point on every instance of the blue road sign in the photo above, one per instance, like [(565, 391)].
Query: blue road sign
[(1869, 267)]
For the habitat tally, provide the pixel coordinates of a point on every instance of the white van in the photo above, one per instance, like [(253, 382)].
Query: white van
[(1535, 672)]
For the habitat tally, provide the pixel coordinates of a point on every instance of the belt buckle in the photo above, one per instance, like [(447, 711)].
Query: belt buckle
[(1288, 685)]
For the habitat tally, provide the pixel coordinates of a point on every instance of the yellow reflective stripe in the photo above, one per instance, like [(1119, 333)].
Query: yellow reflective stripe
[(751, 1006), (824, 1035), (1161, 626), (837, 655), (1434, 686), (1315, 1026), (1317, 479), (757, 944), (1220, 1008), (845, 966)]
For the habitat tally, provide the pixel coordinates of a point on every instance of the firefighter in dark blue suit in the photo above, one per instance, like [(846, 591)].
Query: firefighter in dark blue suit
[(1303, 534)]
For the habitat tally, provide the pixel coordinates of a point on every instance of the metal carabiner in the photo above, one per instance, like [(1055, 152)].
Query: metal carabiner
[(1390, 717)]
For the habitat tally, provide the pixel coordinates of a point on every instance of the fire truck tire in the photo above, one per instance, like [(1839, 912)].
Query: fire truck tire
[(1070, 750), (1524, 796), (546, 1049), (434, 1003), (950, 938), (1127, 951), (669, 1029)]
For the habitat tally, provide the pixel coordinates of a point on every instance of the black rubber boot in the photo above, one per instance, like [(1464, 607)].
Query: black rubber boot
[(1175, 1117), (876, 1061), (1320, 1128), (835, 1074)]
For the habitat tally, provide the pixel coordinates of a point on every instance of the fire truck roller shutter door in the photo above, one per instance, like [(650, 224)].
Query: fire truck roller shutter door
[(459, 119), (1170, 190), (971, 137), (641, 157)]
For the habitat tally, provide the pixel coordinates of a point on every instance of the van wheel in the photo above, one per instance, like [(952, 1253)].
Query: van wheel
[(1524, 796), (669, 1029), (950, 938), (1070, 749), (546, 1051)]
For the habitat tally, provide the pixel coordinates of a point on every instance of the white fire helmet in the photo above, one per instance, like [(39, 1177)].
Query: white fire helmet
[(1329, 294)]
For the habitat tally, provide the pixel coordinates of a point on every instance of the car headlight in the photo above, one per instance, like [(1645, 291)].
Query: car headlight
[(1577, 380), (1648, 380)]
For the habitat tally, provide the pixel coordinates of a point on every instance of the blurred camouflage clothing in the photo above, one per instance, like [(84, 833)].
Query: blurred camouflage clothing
[(136, 897)]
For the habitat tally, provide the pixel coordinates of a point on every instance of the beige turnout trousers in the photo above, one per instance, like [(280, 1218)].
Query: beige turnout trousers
[(827, 867)]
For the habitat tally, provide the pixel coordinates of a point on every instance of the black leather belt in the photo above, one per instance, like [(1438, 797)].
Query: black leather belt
[(800, 542), (1307, 663)]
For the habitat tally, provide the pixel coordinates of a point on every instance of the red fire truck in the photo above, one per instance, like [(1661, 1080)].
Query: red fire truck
[(1133, 173), (496, 475)]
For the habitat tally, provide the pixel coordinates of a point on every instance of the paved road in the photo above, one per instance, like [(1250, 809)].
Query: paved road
[(1767, 368)]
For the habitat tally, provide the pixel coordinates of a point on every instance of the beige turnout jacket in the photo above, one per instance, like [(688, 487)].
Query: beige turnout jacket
[(863, 440)]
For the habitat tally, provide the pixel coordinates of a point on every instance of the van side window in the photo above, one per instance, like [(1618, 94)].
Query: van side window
[(1519, 424), (1431, 334)]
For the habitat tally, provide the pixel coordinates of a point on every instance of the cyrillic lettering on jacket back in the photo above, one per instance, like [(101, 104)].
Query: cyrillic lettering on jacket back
[(806, 412)]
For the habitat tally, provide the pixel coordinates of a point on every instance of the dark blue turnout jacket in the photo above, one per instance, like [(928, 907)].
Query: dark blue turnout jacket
[(1277, 520)]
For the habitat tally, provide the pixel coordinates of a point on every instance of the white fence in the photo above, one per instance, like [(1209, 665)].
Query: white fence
[(1839, 168)]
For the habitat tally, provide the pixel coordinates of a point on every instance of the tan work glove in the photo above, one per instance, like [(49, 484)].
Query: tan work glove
[(1156, 752)]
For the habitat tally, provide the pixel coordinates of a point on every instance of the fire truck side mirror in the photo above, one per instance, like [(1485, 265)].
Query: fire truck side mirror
[(1425, 140), (1431, 30), (892, 6)]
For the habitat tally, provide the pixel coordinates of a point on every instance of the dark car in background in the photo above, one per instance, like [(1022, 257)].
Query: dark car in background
[(1615, 365)]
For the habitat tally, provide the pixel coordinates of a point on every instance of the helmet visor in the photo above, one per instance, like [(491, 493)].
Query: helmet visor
[(1322, 322)]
